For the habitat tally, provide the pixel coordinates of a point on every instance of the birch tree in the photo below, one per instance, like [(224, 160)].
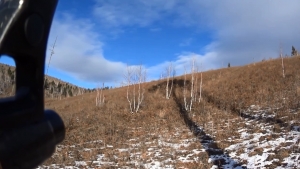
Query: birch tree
[(170, 70), (200, 88), (135, 77), (189, 103), (100, 96), (60, 92), (196, 84), (185, 91), (192, 85), (282, 62)]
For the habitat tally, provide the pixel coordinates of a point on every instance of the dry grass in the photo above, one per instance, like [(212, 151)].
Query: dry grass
[(261, 84), (227, 93), (115, 126)]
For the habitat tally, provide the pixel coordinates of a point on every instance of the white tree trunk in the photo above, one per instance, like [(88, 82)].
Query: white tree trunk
[(100, 95), (172, 83), (128, 77), (196, 84), (133, 78), (169, 70), (192, 86), (200, 90), (141, 77), (184, 91), (282, 67), (282, 60)]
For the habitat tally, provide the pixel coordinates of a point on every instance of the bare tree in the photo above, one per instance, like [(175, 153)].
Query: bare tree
[(128, 78), (184, 91), (141, 79), (52, 89), (135, 77), (193, 78), (188, 106), (196, 84), (200, 89), (282, 62), (52, 53), (60, 93), (80, 91), (100, 96), (170, 70)]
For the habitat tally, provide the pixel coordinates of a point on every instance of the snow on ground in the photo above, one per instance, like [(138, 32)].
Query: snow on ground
[(273, 145), (165, 151), (217, 157), (268, 148)]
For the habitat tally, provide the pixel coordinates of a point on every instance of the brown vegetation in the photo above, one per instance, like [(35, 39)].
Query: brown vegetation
[(226, 94)]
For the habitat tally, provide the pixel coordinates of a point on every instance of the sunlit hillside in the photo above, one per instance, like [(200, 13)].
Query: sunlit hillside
[(54, 88), (247, 117)]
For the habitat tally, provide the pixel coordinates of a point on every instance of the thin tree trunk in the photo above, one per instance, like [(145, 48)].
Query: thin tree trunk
[(200, 85), (184, 91)]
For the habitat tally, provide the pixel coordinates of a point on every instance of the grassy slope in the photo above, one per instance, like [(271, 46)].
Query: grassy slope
[(227, 93)]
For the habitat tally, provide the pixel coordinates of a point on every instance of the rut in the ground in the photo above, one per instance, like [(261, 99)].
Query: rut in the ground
[(219, 158)]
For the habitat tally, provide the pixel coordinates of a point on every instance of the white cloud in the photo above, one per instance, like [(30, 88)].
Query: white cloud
[(142, 13), (242, 30), (186, 42), (78, 51), (184, 61)]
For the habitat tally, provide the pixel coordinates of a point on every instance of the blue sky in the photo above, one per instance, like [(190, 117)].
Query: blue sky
[(96, 39)]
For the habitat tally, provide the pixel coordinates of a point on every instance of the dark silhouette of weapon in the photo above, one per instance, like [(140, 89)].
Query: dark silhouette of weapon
[(28, 133)]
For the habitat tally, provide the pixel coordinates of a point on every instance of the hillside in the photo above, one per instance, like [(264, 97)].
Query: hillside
[(54, 88), (248, 117)]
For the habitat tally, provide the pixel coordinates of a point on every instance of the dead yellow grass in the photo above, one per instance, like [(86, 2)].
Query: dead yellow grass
[(226, 92)]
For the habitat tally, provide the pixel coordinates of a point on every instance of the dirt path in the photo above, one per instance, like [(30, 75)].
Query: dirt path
[(216, 155)]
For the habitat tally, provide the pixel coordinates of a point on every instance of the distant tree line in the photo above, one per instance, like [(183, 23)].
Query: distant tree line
[(59, 89), (53, 88)]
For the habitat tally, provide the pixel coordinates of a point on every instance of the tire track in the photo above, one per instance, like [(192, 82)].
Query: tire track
[(218, 157)]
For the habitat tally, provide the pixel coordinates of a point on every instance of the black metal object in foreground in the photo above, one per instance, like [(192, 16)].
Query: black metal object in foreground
[(28, 133)]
